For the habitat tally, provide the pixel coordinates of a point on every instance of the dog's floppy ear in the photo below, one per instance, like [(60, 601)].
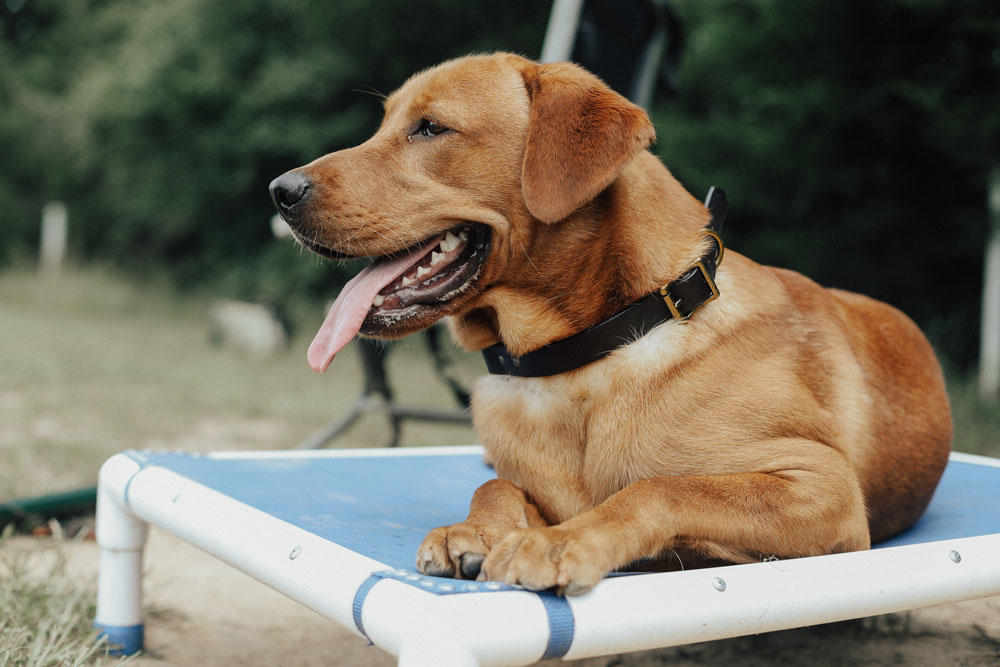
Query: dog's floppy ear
[(580, 135)]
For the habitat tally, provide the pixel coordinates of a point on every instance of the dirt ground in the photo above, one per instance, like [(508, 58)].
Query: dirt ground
[(203, 612)]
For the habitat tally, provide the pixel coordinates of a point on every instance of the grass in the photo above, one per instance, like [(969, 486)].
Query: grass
[(46, 614), (92, 364), (977, 423)]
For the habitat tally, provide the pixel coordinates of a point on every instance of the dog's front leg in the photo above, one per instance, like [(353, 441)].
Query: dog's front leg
[(497, 508), (809, 503)]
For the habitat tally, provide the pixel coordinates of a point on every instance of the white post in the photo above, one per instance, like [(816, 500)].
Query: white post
[(52, 250), (280, 228), (989, 337), (561, 31)]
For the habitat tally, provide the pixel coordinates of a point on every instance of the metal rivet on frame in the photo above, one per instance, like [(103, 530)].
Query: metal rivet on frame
[(719, 584), (295, 553), (955, 556)]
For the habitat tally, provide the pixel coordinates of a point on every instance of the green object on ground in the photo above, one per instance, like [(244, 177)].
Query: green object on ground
[(69, 503)]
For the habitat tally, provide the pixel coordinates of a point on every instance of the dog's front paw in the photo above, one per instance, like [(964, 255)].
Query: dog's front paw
[(540, 558), (453, 551)]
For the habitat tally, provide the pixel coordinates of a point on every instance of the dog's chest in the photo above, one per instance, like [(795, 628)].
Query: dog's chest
[(571, 441)]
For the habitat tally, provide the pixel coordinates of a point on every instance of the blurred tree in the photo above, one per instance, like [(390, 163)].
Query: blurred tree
[(32, 86), (161, 122), (854, 140)]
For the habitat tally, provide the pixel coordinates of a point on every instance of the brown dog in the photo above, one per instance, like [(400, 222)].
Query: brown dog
[(782, 419)]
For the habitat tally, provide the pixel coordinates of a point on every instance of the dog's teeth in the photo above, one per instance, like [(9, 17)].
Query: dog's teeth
[(422, 271), (464, 235), (378, 300), (407, 281), (436, 257), (450, 242)]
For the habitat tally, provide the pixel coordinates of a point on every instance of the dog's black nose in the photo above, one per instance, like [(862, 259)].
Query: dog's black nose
[(288, 190)]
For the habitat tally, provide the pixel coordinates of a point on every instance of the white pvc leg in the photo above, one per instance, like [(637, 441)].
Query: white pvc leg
[(121, 537), (428, 653)]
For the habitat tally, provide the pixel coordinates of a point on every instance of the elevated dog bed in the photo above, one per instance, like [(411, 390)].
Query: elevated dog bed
[(338, 531)]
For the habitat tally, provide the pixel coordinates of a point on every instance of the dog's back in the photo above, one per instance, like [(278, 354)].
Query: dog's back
[(910, 426)]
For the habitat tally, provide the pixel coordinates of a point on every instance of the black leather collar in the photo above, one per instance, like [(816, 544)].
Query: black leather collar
[(678, 299)]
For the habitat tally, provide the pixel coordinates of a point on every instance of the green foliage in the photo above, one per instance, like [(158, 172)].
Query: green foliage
[(854, 141), (161, 122)]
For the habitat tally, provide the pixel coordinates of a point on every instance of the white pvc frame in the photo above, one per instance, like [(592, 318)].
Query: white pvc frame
[(510, 627)]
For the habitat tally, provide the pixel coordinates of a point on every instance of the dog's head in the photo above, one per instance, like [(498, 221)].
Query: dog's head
[(459, 192)]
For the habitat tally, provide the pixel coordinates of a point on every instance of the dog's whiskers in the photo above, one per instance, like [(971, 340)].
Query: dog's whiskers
[(395, 232), (528, 257), (351, 236), (386, 237), (374, 92)]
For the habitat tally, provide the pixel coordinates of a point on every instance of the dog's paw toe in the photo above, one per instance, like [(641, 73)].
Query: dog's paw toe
[(541, 558), (453, 551), (432, 557)]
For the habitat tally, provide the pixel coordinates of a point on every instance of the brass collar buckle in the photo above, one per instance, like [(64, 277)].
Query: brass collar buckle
[(673, 302)]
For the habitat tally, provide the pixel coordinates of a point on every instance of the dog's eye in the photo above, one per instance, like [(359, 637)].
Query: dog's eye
[(429, 128)]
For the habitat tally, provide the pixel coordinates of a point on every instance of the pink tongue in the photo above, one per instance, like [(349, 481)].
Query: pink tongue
[(352, 305)]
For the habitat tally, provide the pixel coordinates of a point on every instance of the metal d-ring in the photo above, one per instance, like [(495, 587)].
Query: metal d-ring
[(718, 239)]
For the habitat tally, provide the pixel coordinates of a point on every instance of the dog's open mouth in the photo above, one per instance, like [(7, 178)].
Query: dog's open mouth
[(450, 263), (418, 282)]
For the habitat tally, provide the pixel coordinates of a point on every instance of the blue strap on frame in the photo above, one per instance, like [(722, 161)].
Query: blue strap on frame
[(359, 602), (561, 625), (560, 615)]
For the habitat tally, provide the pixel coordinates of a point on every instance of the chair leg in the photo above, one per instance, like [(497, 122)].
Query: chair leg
[(121, 537)]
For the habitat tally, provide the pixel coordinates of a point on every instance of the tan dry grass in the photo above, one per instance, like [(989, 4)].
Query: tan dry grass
[(92, 364), (46, 613)]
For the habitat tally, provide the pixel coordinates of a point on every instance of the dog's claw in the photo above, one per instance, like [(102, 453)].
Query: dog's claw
[(427, 564), (434, 571), (453, 551), (470, 564)]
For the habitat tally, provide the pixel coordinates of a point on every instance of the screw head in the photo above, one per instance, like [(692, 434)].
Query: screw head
[(295, 553), (719, 584), (955, 556)]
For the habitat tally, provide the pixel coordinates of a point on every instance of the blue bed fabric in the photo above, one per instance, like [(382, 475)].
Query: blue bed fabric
[(382, 507)]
